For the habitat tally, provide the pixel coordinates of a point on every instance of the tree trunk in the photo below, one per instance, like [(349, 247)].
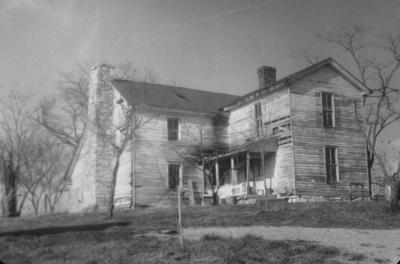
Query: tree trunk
[(370, 162), (11, 192), (395, 197), (113, 185), (214, 198), (395, 190)]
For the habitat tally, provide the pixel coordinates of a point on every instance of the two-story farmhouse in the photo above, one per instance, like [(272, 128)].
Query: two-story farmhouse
[(297, 135)]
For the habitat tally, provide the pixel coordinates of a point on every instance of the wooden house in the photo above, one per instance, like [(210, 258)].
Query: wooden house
[(297, 135)]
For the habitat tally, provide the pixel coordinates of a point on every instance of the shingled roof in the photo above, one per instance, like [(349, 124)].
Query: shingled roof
[(172, 97)]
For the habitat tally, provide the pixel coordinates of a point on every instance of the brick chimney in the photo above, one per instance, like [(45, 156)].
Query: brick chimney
[(266, 76)]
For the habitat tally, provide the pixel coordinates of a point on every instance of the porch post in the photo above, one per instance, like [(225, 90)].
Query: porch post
[(233, 176), (263, 171), (262, 164), (216, 173), (264, 179), (247, 171)]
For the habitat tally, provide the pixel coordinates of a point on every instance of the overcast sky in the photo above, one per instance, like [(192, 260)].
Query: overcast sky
[(212, 45)]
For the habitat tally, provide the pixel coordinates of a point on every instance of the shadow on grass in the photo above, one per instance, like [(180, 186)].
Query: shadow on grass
[(62, 229)]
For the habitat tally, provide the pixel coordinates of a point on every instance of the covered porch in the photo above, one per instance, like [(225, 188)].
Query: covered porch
[(246, 170)]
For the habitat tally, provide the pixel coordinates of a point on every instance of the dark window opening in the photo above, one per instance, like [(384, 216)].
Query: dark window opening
[(258, 118), (281, 128), (328, 109), (331, 165), (173, 129), (173, 176)]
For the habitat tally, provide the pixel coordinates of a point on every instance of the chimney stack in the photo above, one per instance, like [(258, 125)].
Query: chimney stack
[(266, 76)]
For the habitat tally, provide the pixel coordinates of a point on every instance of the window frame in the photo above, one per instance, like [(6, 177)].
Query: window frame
[(331, 153), (171, 187), (258, 118), (281, 128), (175, 130), (328, 110)]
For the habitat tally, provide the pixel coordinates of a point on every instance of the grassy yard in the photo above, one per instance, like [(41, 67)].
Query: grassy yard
[(111, 241), (118, 246), (367, 215)]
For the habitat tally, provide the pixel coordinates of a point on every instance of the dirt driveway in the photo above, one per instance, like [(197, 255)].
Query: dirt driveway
[(380, 244)]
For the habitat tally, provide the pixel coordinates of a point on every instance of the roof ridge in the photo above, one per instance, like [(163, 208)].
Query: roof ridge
[(173, 86), (293, 76), (290, 75)]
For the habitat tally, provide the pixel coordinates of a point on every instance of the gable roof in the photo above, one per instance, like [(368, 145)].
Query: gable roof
[(172, 97), (297, 75)]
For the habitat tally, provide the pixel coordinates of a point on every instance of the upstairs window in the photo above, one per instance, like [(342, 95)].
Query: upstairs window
[(173, 176), (281, 128), (258, 118), (173, 129), (328, 109), (331, 163)]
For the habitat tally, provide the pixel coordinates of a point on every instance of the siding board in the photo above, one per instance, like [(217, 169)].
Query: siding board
[(310, 137)]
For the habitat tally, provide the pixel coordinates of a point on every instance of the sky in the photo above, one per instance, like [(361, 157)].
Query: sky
[(214, 45)]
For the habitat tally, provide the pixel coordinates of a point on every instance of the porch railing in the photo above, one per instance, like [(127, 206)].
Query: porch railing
[(241, 189)]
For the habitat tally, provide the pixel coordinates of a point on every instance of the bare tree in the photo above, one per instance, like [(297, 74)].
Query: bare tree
[(377, 63), (119, 137), (16, 134), (35, 169), (65, 116), (54, 183), (44, 164)]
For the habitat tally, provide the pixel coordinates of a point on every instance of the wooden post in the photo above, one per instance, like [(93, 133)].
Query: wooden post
[(254, 181), (262, 164), (263, 172), (247, 171), (216, 173), (233, 178), (180, 210), (133, 175), (270, 176), (203, 182), (362, 191)]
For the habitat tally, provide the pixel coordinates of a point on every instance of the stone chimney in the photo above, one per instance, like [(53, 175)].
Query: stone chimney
[(92, 175), (102, 100), (266, 76)]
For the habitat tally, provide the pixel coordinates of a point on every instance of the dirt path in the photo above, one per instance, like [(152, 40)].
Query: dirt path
[(382, 244)]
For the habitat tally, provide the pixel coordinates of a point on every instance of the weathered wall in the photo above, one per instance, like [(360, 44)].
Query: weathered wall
[(310, 137), (154, 152), (241, 129), (241, 125)]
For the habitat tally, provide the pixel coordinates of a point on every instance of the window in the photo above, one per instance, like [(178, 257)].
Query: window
[(328, 109), (258, 118), (281, 128), (173, 129), (331, 162), (173, 176)]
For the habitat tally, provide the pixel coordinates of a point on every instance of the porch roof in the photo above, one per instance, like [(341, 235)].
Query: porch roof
[(269, 144)]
